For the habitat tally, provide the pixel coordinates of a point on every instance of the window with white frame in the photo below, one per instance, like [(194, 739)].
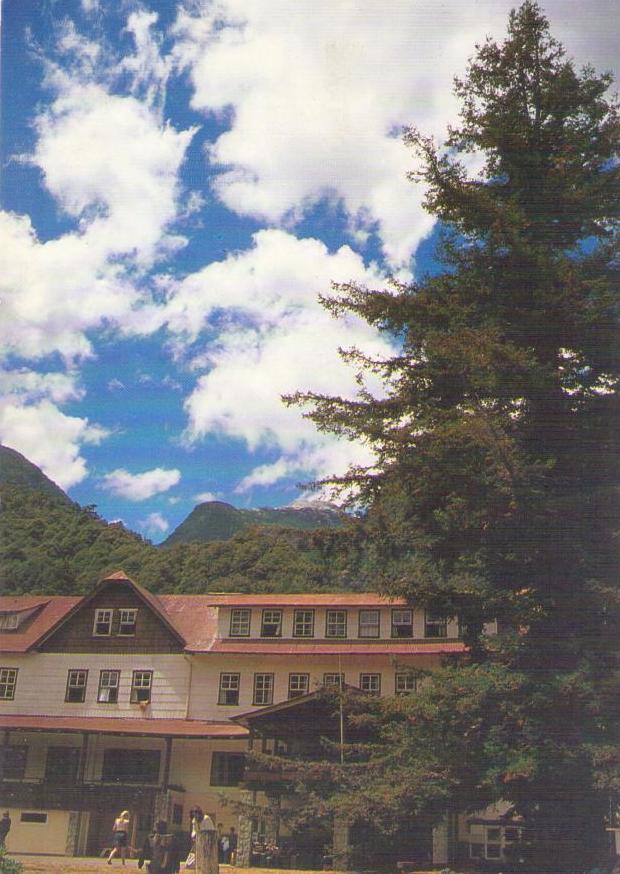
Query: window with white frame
[(271, 625), (402, 623), (102, 626), (490, 841), (404, 682), (369, 623), (298, 684), (336, 623), (370, 683), (263, 689), (229, 689), (141, 684), (8, 683), (108, 687), (127, 623), (303, 623), (76, 686), (435, 625), (9, 621), (240, 622), (333, 680)]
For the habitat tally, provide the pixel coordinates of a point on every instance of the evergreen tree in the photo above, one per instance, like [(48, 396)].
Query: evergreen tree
[(494, 492)]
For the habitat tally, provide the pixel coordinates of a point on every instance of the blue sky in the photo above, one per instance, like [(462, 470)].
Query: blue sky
[(180, 180)]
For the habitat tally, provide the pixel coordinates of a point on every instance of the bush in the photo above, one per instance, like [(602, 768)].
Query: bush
[(8, 865)]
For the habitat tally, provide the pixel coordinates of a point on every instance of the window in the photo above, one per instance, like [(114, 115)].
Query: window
[(31, 816), (127, 624), (76, 686), (227, 769), (141, 683), (108, 687), (303, 623), (271, 625), (240, 622), (369, 623), (404, 683), (103, 623), (298, 684), (263, 689), (130, 766), (229, 689), (8, 682), (177, 814), (402, 623), (13, 762), (370, 683), (336, 623), (61, 765), (435, 625), (9, 621), (330, 680)]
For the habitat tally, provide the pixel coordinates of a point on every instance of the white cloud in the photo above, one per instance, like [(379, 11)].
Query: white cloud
[(112, 164), (320, 90), (49, 438), (25, 386), (154, 523), (140, 486), (203, 497), (276, 339)]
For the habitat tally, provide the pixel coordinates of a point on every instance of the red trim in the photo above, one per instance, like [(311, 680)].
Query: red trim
[(125, 726)]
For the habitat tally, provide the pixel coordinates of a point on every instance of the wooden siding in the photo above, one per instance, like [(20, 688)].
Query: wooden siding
[(76, 634), (42, 682)]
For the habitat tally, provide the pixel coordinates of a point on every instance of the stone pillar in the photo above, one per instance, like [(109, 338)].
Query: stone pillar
[(341, 844), (162, 807), (441, 843), (206, 848), (244, 846), (73, 830)]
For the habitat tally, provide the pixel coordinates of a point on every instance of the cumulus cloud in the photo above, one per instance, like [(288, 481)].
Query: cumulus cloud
[(122, 194), (319, 93), (154, 523), (140, 486), (49, 438), (273, 338)]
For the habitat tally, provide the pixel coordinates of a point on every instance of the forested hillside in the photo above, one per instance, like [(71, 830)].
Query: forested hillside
[(48, 544)]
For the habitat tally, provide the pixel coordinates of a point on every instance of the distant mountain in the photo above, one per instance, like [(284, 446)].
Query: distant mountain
[(216, 520), (16, 470)]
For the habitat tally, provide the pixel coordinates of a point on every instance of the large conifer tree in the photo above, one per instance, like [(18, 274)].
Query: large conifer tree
[(494, 493)]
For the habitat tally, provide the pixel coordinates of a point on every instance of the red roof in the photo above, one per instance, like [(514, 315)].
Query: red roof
[(304, 599), (195, 618), (306, 647), (125, 726), (53, 609)]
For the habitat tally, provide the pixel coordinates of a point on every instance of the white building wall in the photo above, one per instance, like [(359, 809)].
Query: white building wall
[(207, 670), (42, 682)]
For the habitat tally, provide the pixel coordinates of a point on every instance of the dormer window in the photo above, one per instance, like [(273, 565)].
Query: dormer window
[(9, 621), (103, 623), (303, 623), (336, 623), (240, 622), (402, 623), (271, 625), (127, 624)]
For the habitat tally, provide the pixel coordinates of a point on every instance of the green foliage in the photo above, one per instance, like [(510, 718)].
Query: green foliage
[(8, 865), (53, 546), (495, 491), (216, 520), (18, 471)]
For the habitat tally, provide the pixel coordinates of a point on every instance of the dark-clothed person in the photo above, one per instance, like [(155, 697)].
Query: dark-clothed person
[(5, 827), (163, 851)]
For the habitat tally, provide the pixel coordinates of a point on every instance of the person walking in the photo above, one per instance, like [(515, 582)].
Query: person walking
[(233, 841), (120, 837), (5, 827)]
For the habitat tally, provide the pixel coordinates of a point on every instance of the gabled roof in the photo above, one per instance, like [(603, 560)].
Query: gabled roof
[(121, 578)]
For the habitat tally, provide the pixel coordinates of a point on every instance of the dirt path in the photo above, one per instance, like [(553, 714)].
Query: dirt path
[(70, 865)]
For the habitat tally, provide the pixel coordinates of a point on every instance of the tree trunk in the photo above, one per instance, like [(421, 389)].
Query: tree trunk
[(206, 849)]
